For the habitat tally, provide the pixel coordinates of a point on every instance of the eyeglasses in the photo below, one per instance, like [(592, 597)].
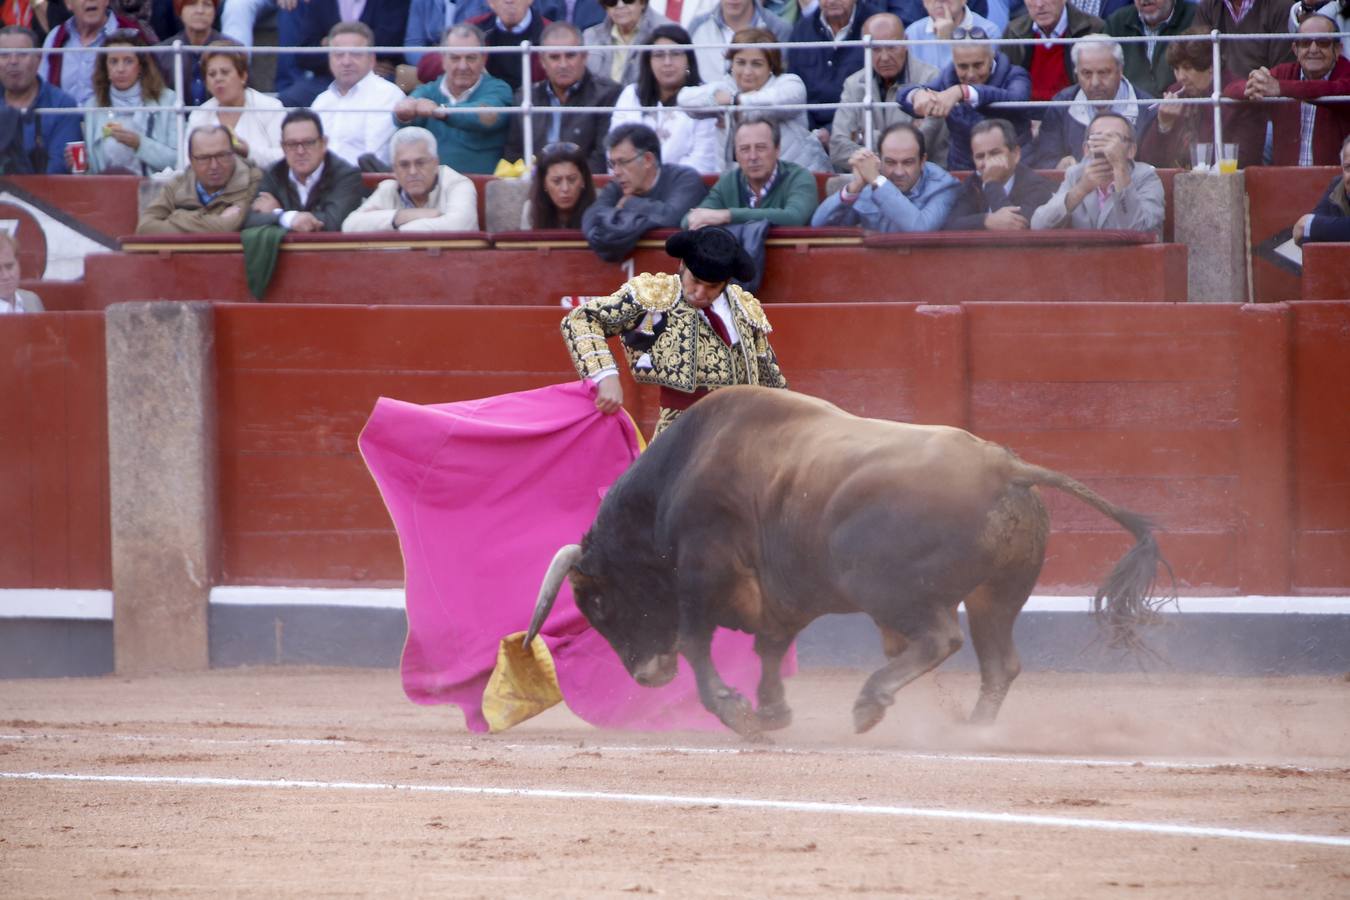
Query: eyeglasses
[(974, 33), (621, 163), (307, 144), (1324, 43), (208, 159), (610, 4)]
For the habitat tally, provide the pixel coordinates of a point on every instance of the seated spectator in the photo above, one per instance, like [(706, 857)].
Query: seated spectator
[(1330, 220), (561, 190), (1307, 133), (1337, 11), (892, 67), (662, 73), (997, 11), (626, 22), (1100, 9), (1109, 189), (947, 19), (1240, 57), (38, 16), (211, 195), (975, 78), (898, 191), (386, 19), (466, 143), (510, 24), (824, 69), (14, 299), (197, 17), (136, 142), (642, 194), (762, 186), (254, 119), (423, 195), (353, 132), (427, 22), (1100, 65), (720, 25), (1003, 194), (758, 83), (238, 18), (312, 189), (581, 13), (1146, 64), (567, 83), (1168, 140), (45, 137), (1049, 65), (91, 23)]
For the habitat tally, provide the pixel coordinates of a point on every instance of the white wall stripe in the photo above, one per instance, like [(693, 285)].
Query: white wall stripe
[(26, 603), (801, 806)]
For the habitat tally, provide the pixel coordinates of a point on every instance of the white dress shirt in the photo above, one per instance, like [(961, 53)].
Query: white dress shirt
[(350, 134)]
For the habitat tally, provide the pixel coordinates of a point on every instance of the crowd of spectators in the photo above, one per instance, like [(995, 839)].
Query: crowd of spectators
[(666, 121)]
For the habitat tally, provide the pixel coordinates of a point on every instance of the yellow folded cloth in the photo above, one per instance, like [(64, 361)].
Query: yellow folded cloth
[(507, 169), (523, 684)]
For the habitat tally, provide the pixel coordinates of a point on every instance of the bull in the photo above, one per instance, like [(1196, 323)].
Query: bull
[(761, 510)]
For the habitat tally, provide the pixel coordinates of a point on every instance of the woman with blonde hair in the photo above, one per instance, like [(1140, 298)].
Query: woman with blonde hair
[(758, 83), (119, 137), (254, 119)]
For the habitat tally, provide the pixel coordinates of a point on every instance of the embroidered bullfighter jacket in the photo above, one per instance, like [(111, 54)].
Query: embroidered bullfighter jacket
[(671, 344)]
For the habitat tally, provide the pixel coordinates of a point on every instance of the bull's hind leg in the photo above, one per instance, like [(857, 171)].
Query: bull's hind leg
[(921, 650), (773, 711), (990, 612)]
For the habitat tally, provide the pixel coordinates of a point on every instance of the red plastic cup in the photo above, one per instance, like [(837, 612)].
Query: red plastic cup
[(79, 160)]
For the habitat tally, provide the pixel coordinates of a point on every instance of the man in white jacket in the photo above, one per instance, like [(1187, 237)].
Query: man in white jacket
[(422, 195)]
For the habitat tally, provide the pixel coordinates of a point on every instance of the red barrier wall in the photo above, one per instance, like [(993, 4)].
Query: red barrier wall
[(1326, 272), (1276, 197), (53, 452)]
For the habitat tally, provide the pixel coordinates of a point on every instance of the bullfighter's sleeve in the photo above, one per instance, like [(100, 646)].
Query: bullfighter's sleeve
[(585, 328)]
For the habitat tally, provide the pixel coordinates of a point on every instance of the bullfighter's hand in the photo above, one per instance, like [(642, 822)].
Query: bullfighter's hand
[(1299, 227), (609, 395), (305, 221), (265, 203), (1006, 219)]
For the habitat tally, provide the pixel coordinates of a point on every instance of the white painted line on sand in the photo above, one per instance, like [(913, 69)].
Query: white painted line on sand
[(170, 738), (803, 806)]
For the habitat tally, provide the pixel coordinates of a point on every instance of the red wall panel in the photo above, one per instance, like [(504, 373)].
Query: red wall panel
[(1276, 197)]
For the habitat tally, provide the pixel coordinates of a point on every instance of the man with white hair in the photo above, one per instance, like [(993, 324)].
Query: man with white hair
[(351, 133), (422, 196), (1100, 64)]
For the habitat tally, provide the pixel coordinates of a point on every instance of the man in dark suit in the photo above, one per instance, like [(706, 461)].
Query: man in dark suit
[(311, 189), (1003, 193), (388, 19)]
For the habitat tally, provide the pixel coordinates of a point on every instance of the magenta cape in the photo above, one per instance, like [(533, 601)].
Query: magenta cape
[(483, 493)]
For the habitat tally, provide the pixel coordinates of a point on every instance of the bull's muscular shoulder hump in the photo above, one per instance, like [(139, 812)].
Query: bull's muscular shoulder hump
[(656, 292)]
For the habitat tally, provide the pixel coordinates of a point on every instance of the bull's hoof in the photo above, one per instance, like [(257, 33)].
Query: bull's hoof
[(866, 714), (774, 716), (738, 715)]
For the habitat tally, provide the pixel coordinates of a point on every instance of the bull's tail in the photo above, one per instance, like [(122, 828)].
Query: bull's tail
[(1129, 596)]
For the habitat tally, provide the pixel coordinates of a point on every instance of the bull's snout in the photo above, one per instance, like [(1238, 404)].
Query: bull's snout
[(656, 671)]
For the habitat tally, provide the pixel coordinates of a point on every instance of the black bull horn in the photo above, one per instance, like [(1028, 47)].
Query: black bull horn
[(562, 563)]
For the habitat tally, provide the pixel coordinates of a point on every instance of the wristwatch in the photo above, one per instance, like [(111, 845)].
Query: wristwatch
[(879, 181)]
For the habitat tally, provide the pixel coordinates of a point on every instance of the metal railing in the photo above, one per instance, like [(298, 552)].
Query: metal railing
[(870, 103)]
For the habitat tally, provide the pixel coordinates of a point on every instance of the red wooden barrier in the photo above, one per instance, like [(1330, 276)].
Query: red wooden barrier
[(1276, 197), (1326, 272), (53, 452)]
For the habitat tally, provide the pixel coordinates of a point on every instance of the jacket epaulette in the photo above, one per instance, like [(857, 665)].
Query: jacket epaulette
[(753, 311), (656, 292)]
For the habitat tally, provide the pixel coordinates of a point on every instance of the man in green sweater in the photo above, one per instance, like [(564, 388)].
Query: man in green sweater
[(761, 187), (465, 142)]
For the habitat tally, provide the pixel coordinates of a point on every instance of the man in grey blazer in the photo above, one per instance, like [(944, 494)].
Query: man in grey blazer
[(1107, 189), (14, 299)]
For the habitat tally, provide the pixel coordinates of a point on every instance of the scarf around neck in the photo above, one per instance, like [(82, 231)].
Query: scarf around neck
[(1126, 104)]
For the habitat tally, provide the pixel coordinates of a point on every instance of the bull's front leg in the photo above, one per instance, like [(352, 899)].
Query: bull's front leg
[(773, 712), (719, 698)]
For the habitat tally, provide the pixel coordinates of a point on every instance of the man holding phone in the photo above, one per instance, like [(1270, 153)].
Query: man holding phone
[(1108, 189)]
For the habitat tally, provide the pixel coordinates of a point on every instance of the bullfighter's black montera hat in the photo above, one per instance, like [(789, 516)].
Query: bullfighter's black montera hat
[(713, 254)]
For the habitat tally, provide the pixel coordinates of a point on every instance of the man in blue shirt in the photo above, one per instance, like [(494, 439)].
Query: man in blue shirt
[(44, 137), (896, 191)]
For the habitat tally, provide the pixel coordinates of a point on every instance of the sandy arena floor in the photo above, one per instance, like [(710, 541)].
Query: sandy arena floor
[(327, 782)]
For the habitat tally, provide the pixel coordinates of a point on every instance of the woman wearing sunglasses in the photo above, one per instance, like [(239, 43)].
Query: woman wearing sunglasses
[(561, 189), (626, 22), (662, 74), (120, 138), (758, 82)]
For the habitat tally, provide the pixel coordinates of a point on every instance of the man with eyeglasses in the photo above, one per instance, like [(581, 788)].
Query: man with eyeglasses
[(642, 194), (211, 195), (1102, 85), (1307, 133), (422, 196), (312, 188), (1109, 190), (567, 83), (947, 20), (688, 333)]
